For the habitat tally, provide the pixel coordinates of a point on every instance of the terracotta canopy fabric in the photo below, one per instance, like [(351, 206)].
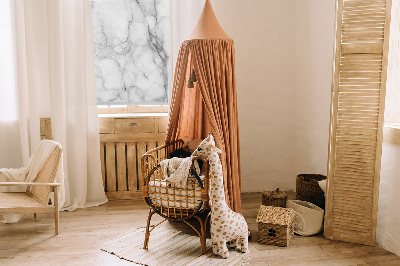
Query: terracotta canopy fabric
[(211, 106)]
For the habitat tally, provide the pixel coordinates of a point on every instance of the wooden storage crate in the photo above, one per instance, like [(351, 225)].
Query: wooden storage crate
[(275, 225), (274, 198), (123, 141)]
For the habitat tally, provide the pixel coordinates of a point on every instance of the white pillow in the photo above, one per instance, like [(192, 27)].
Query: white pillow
[(322, 184)]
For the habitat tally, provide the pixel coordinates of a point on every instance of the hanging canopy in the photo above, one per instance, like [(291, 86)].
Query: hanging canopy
[(207, 26), (211, 105)]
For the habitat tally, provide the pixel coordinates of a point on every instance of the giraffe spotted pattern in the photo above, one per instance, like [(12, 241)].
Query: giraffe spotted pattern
[(226, 225)]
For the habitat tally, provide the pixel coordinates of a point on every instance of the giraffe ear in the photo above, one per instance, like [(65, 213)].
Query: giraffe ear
[(216, 149)]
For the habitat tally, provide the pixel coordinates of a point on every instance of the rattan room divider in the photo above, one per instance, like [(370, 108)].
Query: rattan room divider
[(357, 108)]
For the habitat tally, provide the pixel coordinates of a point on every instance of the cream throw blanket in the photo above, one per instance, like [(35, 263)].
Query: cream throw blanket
[(29, 173), (176, 170)]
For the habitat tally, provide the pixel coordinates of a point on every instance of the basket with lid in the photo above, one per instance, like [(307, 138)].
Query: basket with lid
[(274, 198)]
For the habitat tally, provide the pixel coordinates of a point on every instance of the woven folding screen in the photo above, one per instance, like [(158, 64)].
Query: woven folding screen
[(358, 96)]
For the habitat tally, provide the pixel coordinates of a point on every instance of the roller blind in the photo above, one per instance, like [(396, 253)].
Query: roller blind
[(358, 97)]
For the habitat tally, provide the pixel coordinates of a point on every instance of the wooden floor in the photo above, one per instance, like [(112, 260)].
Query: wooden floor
[(83, 232)]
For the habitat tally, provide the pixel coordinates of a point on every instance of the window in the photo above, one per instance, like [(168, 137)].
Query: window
[(131, 51)]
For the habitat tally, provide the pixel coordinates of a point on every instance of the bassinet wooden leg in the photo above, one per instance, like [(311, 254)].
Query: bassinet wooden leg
[(34, 215), (203, 232), (203, 236), (147, 235)]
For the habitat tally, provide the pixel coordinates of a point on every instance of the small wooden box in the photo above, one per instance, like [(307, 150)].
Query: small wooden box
[(274, 198), (275, 225)]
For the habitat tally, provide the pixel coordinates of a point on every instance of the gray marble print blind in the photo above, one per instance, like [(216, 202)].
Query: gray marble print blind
[(131, 51)]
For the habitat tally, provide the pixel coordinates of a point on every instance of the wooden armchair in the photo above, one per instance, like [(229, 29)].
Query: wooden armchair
[(36, 197)]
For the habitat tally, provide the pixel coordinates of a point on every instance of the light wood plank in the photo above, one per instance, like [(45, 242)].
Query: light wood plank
[(137, 137), (56, 211), (106, 125), (132, 166), (84, 231), (362, 48), (42, 128), (102, 161), (110, 167), (162, 124), (141, 150), (49, 129), (121, 166), (46, 131), (151, 145), (125, 195), (131, 109)]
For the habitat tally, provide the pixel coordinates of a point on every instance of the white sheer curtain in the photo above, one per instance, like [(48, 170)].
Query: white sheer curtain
[(183, 18), (10, 148), (55, 77)]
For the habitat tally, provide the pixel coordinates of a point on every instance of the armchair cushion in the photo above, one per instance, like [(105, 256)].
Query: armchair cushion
[(16, 199)]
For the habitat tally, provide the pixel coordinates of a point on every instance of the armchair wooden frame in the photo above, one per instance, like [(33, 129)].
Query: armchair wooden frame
[(36, 197)]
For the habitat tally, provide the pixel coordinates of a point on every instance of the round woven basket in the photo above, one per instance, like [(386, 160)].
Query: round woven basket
[(309, 217), (308, 189)]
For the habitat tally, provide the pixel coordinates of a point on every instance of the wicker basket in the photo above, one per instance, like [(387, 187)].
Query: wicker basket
[(275, 225), (274, 198), (308, 189)]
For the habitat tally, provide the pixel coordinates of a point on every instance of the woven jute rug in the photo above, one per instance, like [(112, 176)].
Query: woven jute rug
[(168, 247)]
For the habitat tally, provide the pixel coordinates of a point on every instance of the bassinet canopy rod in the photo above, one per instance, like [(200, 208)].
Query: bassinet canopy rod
[(207, 26)]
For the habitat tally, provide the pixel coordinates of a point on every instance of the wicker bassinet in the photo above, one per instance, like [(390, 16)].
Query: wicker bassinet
[(170, 202)]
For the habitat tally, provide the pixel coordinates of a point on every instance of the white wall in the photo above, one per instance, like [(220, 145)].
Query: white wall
[(264, 34), (284, 52), (388, 227), (314, 60)]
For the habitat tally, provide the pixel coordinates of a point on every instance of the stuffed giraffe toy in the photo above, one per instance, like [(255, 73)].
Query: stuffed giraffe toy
[(226, 225)]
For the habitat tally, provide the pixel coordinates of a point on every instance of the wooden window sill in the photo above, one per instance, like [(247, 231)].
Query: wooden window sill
[(134, 115)]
